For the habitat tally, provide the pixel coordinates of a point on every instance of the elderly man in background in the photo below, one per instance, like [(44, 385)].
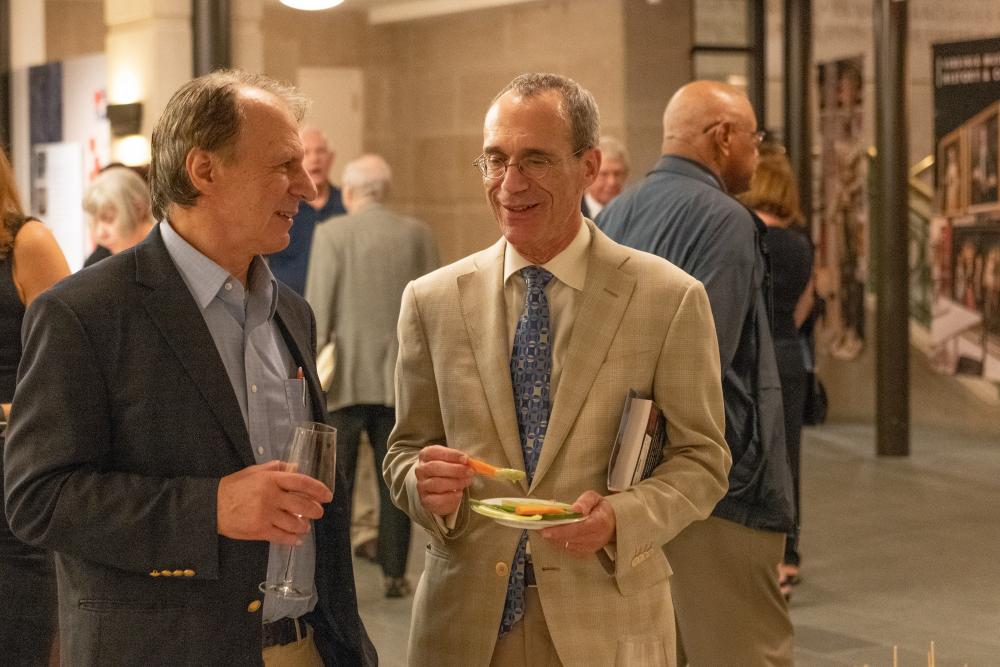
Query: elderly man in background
[(610, 179), (730, 610), (291, 265), (522, 355), (360, 264), (156, 391)]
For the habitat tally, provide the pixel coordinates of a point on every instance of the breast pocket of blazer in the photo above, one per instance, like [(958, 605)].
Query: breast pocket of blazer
[(297, 398)]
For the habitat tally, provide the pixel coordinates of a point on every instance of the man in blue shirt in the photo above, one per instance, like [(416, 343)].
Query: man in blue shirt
[(291, 265), (726, 597)]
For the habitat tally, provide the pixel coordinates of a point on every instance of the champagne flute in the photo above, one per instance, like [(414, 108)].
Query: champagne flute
[(311, 451)]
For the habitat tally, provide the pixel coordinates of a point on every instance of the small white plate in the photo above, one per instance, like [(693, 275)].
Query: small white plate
[(525, 523)]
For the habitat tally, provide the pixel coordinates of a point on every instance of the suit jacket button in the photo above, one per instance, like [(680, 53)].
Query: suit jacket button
[(253, 606), (154, 573), (638, 559), (166, 573), (188, 573), (178, 573), (502, 569)]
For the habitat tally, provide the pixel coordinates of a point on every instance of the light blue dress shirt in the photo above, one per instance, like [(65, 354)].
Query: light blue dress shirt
[(263, 376)]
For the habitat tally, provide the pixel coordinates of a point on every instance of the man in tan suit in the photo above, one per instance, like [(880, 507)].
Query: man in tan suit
[(612, 319)]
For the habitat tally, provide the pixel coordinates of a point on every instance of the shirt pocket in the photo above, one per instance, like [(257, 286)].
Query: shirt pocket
[(297, 400)]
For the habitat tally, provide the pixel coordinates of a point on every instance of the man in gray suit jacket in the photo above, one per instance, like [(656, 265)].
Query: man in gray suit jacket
[(156, 390), (359, 266)]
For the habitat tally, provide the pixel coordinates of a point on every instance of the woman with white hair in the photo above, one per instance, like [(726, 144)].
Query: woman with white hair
[(119, 209)]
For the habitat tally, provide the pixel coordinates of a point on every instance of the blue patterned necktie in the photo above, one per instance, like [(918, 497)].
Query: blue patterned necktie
[(530, 371)]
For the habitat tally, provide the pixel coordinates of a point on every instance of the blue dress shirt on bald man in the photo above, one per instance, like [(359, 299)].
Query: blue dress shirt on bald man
[(262, 373)]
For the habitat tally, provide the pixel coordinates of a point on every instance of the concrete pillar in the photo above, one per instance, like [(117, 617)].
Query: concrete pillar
[(657, 41), (27, 48), (149, 49), (247, 35)]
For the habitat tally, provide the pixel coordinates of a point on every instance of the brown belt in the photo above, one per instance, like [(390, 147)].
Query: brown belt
[(283, 631)]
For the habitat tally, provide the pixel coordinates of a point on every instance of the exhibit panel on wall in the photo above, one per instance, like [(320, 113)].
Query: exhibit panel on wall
[(965, 232), (840, 228), (69, 142)]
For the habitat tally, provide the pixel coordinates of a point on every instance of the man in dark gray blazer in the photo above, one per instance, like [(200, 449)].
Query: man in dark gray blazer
[(156, 390), (727, 601), (359, 267)]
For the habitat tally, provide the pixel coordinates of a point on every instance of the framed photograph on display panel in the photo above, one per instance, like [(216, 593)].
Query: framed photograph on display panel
[(952, 174), (983, 159)]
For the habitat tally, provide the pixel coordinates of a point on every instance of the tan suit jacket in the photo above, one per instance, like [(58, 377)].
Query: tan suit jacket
[(642, 324)]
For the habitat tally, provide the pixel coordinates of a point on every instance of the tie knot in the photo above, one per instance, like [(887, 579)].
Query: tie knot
[(535, 276)]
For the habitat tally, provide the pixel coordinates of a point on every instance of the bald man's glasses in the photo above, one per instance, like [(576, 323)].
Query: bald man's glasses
[(535, 167), (758, 136)]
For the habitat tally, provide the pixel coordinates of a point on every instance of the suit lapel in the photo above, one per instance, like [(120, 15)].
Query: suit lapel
[(605, 296), (484, 311), (174, 311)]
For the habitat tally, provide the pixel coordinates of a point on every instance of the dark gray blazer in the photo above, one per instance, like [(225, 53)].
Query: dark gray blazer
[(123, 422)]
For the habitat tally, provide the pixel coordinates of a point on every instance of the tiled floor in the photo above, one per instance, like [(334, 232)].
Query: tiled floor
[(896, 552)]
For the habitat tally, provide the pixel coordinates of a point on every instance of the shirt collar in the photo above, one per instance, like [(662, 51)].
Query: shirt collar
[(569, 266), (205, 279), (593, 206)]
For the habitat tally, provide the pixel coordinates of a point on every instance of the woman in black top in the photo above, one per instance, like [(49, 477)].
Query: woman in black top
[(774, 197), (30, 263)]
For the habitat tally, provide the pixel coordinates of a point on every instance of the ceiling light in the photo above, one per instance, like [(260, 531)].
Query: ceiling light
[(311, 5)]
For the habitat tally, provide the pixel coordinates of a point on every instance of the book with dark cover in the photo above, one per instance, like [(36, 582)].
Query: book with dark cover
[(638, 447)]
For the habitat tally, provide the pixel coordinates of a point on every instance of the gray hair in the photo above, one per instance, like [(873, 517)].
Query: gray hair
[(368, 177), (205, 113), (578, 106), (122, 191), (612, 149)]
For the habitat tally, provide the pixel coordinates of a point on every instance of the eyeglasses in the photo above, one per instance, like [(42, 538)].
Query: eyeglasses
[(535, 167), (758, 136)]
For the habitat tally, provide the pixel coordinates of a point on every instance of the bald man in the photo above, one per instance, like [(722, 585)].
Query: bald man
[(728, 604), (291, 265)]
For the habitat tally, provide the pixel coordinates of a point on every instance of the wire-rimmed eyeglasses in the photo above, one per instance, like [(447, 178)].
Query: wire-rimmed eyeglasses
[(535, 167), (758, 136)]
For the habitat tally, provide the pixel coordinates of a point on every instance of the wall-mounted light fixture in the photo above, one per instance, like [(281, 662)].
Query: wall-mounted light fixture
[(125, 119), (311, 5)]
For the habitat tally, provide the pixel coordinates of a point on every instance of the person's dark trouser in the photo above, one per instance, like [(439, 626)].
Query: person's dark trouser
[(394, 525), (28, 609), (791, 368)]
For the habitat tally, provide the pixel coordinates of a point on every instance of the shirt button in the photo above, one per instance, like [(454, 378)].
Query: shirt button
[(260, 450), (502, 569), (253, 388), (229, 287)]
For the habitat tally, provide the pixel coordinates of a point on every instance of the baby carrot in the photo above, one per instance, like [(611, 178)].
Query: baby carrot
[(482, 467)]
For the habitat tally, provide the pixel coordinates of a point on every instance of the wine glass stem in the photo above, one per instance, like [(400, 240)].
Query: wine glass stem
[(287, 578)]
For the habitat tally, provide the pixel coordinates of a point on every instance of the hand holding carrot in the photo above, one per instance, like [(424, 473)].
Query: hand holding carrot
[(442, 475)]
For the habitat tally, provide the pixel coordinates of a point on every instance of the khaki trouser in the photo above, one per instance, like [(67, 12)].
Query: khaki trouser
[(301, 653), (528, 643), (728, 605)]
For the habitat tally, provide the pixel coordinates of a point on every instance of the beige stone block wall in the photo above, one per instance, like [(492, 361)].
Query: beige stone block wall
[(73, 29), (429, 83)]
